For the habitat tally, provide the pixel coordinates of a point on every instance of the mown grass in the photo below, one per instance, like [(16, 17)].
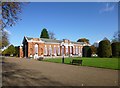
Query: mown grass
[(109, 63)]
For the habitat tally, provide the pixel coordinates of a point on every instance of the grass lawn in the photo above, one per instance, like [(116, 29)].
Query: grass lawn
[(111, 63)]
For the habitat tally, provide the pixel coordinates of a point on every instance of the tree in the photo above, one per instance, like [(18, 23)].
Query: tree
[(83, 40), (5, 52), (10, 13), (51, 35), (115, 49), (93, 49), (44, 34), (9, 51), (86, 51), (17, 50), (116, 37), (104, 49), (4, 41)]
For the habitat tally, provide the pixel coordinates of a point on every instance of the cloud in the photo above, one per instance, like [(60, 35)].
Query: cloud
[(107, 8)]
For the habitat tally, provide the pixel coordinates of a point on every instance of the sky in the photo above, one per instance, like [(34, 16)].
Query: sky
[(68, 20)]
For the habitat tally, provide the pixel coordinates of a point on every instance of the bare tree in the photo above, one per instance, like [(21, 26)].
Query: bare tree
[(51, 35), (9, 16), (10, 13), (4, 41), (116, 37)]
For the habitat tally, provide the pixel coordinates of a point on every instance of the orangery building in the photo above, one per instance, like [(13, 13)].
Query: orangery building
[(50, 47)]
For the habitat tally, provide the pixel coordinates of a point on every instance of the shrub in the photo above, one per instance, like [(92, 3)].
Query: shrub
[(115, 49), (86, 51), (104, 49), (9, 51)]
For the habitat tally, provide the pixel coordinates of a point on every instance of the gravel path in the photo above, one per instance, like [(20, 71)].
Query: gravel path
[(26, 72)]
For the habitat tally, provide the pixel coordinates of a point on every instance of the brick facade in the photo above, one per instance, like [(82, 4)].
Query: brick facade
[(49, 47)]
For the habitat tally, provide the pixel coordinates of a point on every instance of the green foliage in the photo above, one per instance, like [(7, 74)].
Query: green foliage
[(86, 51), (83, 40), (44, 34), (4, 52), (17, 51), (104, 49), (9, 51), (93, 49), (115, 49)]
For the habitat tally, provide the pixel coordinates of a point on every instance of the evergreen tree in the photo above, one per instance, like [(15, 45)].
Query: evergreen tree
[(104, 49), (86, 51), (115, 49), (44, 34)]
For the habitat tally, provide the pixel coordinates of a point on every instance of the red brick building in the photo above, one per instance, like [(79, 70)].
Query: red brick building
[(49, 47)]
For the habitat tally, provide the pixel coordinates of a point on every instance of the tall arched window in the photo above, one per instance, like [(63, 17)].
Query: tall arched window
[(54, 49), (58, 50), (45, 50), (36, 48), (70, 49), (66, 49), (79, 50), (76, 49), (50, 50), (73, 49)]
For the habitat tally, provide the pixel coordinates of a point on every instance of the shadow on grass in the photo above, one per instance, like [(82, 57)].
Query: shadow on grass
[(13, 76)]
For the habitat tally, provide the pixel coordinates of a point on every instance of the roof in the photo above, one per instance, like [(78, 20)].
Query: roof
[(53, 40), (77, 42)]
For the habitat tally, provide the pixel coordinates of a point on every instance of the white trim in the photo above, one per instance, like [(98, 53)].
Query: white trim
[(20, 46), (26, 38), (45, 50), (35, 41), (50, 43), (36, 47), (66, 44), (40, 41), (58, 50)]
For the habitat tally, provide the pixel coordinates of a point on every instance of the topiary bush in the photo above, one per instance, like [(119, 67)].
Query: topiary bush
[(86, 51), (115, 49), (104, 49)]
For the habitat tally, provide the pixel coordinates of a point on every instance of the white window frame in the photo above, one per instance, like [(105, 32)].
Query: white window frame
[(70, 49), (45, 50), (50, 50), (54, 49), (36, 48), (66, 49), (58, 50), (76, 49)]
